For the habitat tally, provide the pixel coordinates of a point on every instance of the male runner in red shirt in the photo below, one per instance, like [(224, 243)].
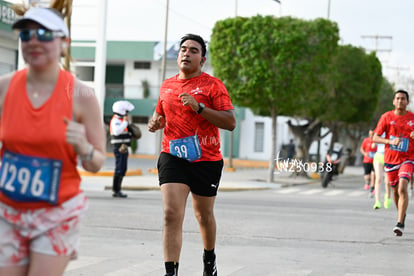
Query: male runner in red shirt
[(191, 107), (398, 126)]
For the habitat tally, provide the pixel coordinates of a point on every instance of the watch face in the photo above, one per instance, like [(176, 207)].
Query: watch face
[(200, 107)]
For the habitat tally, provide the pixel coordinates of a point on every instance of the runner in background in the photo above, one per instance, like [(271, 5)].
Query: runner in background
[(381, 177), (368, 153), (398, 126)]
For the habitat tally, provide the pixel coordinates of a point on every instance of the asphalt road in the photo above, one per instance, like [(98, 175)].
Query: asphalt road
[(297, 230)]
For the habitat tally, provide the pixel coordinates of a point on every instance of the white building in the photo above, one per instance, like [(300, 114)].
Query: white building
[(8, 39)]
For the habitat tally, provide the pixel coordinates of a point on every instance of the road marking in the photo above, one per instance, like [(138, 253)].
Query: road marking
[(83, 261), (136, 269), (311, 192), (288, 190), (334, 192), (362, 274), (357, 193), (322, 192)]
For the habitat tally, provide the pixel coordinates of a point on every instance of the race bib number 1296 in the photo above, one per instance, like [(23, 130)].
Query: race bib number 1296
[(30, 179)]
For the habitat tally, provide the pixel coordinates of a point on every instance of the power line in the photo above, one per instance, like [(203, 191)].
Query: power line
[(377, 38)]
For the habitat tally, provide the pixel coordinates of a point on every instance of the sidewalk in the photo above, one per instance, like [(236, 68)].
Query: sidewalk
[(247, 175)]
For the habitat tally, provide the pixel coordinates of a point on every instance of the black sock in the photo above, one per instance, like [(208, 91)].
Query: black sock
[(171, 267), (209, 255)]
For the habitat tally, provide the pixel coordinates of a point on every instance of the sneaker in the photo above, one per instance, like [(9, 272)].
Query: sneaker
[(377, 205), (371, 192), (366, 187), (169, 274), (387, 203), (120, 194), (399, 229), (210, 268)]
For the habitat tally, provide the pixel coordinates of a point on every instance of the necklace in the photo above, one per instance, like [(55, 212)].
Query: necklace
[(35, 95)]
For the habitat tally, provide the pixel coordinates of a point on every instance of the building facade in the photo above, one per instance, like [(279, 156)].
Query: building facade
[(8, 39)]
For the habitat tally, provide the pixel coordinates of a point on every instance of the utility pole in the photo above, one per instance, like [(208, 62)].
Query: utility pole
[(235, 7), (163, 67), (329, 9), (164, 54), (399, 80)]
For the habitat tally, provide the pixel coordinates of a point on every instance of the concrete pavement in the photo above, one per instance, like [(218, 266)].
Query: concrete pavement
[(268, 232)]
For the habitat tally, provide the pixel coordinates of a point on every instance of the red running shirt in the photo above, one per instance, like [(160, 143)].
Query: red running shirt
[(182, 121), (40, 132), (397, 126), (367, 147)]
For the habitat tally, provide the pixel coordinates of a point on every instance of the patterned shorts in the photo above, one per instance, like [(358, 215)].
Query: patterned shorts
[(51, 231), (395, 172)]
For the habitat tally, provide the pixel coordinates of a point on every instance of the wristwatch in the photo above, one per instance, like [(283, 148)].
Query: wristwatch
[(201, 107)]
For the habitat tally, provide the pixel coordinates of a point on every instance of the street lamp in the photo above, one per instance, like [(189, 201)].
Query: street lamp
[(280, 7)]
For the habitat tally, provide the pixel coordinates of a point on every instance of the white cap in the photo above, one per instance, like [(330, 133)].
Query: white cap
[(121, 107), (49, 18)]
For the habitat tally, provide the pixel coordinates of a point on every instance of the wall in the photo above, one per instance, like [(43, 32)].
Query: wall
[(247, 136)]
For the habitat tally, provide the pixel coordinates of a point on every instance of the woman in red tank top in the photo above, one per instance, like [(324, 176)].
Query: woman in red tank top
[(48, 120)]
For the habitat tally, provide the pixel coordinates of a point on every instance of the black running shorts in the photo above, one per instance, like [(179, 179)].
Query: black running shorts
[(368, 168), (202, 177)]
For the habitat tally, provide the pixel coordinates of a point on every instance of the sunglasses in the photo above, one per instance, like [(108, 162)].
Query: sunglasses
[(41, 34)]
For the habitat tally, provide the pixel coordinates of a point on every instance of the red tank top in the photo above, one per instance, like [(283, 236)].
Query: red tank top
[(40, 132)]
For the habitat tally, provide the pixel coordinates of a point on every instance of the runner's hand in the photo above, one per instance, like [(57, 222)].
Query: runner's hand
[(189, 100), (156, 123), (76, 136)]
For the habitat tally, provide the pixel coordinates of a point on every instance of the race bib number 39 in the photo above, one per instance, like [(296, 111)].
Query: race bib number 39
[(187, 148), (30, 179)]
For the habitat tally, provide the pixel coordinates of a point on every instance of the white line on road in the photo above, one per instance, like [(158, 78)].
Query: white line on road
[(288, 191), (334, 193)]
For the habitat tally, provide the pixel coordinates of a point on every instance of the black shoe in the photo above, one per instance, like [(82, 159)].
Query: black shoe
[(210, 268), (169, 274), (399, 229), (120, 194)]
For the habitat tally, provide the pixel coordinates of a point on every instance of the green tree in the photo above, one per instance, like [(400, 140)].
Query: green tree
[(273, 65), (357, 131), (384, 102), (354, 98)]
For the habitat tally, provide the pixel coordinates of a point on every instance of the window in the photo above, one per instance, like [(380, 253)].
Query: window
[(142, 65), (114, 81), (259, 137)]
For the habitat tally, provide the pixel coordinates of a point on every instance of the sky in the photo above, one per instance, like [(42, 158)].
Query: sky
[(383, 25)]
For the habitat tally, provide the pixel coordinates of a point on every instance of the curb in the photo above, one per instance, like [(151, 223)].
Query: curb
[(222, 189), (136, 172), (236, 164)]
